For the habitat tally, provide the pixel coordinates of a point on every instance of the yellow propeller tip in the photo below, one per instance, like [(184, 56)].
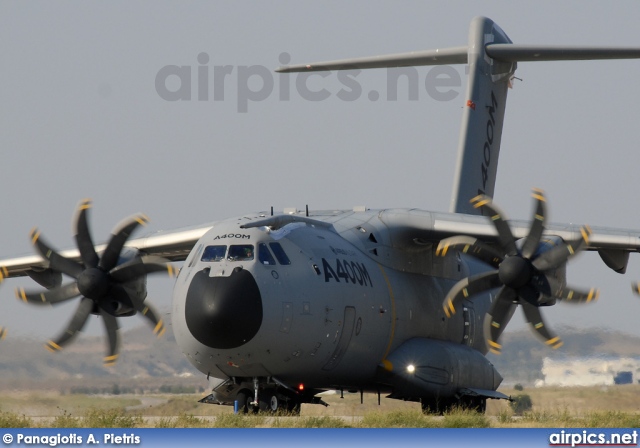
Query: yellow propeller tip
[(142, 219), (110, 360), (478, 198), (21, 294), (34, 234)]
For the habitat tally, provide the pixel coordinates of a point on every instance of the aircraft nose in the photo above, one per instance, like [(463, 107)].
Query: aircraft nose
[(224, 312)]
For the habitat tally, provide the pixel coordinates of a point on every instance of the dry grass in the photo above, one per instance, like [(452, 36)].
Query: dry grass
[(615, 406)]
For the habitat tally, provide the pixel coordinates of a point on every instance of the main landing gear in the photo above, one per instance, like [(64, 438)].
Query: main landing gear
[(269, 401)]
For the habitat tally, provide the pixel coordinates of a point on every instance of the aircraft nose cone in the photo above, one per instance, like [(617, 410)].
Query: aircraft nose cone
[(223, 312)]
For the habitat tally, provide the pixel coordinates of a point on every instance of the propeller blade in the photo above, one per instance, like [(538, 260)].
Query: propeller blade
[(558, 255), (111, 325), (470, 246), (150, 314), (3, 333), (47, 278), (635, 287), (533, 316), (507, 241), (498, 316), (467, 287), (574, 296), (119, 236), (51, 296), (56, 261), (141, 266), (553, 258), (76, 324), (83, 236), (537, 226)]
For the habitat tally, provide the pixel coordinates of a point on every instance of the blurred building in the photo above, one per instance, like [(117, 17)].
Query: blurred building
[(592, 371)]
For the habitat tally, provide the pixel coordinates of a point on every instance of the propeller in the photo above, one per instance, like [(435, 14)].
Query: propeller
[(109, 284), (523, 272)]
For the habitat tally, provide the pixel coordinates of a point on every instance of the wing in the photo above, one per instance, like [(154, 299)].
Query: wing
[(173, 245), (408, 229)]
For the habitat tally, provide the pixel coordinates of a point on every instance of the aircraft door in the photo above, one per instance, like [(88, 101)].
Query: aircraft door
[(346, 332)]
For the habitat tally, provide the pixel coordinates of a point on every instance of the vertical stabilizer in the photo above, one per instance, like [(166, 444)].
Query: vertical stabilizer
[(483, 117), (492, 59)]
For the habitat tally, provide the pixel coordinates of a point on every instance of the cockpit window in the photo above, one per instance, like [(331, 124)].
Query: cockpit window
[(214, 253), (264, 255), (279, 253), (241, 252)]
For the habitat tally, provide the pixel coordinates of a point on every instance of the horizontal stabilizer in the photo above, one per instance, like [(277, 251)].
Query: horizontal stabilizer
[(459, 55), (454, 55), (524, 53)]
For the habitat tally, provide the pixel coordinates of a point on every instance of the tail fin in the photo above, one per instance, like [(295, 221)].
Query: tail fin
[(483, 116), (492, 62)]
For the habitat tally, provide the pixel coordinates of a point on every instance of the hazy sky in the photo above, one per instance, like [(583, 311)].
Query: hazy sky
[(81, 117)]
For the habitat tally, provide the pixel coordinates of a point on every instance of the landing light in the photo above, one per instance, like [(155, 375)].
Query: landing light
[(411, 368)]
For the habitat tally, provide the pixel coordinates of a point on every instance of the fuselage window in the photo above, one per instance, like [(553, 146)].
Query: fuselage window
[(279, 253), (214, 253), (264, 255), (241, 252)]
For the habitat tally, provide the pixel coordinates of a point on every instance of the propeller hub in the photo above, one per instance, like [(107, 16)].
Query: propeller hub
[(515, 272), (93, 283)]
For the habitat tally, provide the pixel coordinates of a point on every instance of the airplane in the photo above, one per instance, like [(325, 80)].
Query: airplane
[(275, 308)]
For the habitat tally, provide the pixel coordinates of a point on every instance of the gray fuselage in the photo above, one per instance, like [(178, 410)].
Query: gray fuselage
[(329, 317)]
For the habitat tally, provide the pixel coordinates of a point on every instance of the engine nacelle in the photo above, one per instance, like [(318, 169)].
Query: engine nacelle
[(553, 280)]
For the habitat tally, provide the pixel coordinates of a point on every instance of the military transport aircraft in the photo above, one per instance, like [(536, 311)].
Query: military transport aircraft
[(276, 308)]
